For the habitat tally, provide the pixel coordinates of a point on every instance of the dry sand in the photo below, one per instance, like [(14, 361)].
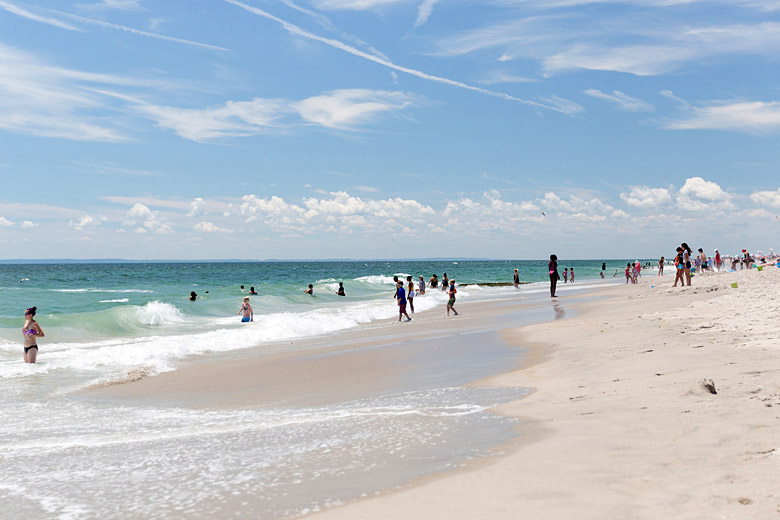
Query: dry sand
[(620, 426)]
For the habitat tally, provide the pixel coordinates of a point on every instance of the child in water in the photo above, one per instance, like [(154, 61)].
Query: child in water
[(247, 310)]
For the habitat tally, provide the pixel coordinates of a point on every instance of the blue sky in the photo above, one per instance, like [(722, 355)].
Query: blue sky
[(208, 129)]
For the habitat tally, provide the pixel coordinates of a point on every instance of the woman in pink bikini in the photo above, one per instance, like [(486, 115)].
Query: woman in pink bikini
[(31, 332)]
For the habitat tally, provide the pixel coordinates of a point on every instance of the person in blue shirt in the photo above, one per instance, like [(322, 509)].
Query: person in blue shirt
[(401, 295)]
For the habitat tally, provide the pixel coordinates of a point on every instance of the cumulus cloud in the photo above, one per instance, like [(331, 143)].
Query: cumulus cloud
[(698, 194), (26, 224), (145, 220), (767, 198), (196, 207), (84, 221), (646, 197), (4, 222)]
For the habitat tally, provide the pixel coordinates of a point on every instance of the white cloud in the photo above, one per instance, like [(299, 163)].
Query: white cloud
[(646, 197), (767, 198), (356, 5), (424, 12), (84, 221), (379, 59), (564, 105), (4, 222), (343, 109), (623, 101), (209, 227), (700, 195), (120, 5), (146, 220), (26, 224), (196, 207), (742, 116), (26, 13)]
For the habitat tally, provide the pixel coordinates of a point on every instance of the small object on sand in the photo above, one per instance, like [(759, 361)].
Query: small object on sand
[(734, 285), (708, 385)]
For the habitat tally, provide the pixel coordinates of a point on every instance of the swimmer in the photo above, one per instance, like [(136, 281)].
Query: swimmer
[(340, 291), (247, 310), (252, 291), (31, 332), (310, 290), (193, 296)]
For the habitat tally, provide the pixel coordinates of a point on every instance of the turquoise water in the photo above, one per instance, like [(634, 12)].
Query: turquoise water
[(62, 457)]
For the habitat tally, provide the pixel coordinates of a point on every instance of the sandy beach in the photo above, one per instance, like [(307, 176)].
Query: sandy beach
[(620, 424), (621, 421)]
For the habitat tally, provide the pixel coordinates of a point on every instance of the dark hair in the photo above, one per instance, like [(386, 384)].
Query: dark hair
[(553, 258), (686, 247), (31, 311), (409, 278)]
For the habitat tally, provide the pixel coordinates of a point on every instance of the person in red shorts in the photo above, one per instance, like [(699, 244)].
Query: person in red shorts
[(401, 295)]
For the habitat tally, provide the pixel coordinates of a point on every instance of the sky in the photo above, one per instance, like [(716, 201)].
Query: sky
[(387, 129)]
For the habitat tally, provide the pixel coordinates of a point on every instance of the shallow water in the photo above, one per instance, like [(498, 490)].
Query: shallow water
[(62, 457)]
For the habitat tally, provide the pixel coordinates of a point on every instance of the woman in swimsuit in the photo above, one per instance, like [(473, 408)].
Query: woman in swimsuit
[(31, 332)]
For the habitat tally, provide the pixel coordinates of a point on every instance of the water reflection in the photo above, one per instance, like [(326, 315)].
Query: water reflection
[(560, 312)]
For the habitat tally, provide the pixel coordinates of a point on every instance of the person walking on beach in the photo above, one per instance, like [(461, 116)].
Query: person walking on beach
[(628, 273), (410, 290), (451, 301), (552, 266), (246, 309), (31, 332), (571, 275), (517, 280), (566, 275), (401, 295), (421, 286), (661, 267), (718, 260), (340, 290)]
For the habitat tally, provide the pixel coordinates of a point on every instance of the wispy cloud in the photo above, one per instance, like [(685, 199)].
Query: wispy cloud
[(26, 13), (297, 31), (424, 12), (338, 109), (623, 101), (56, 21), (119, 5), (566, 106), (740, 116)]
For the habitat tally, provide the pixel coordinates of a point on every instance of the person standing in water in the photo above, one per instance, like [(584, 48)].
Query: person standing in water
[(31, 332), (433, 283), (247, 310), (661, 266), (401, 295), (444, 283), (451, 301), (410, 295), (566, 275), (310, 290), (340, 290), (421, 286), (552, 266), (571, 275), (517, 280)]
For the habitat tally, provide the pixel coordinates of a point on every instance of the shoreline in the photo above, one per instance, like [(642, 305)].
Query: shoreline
[(652, 444)]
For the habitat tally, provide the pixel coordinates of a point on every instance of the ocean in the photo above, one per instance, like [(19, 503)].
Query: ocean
[(66, 457)]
